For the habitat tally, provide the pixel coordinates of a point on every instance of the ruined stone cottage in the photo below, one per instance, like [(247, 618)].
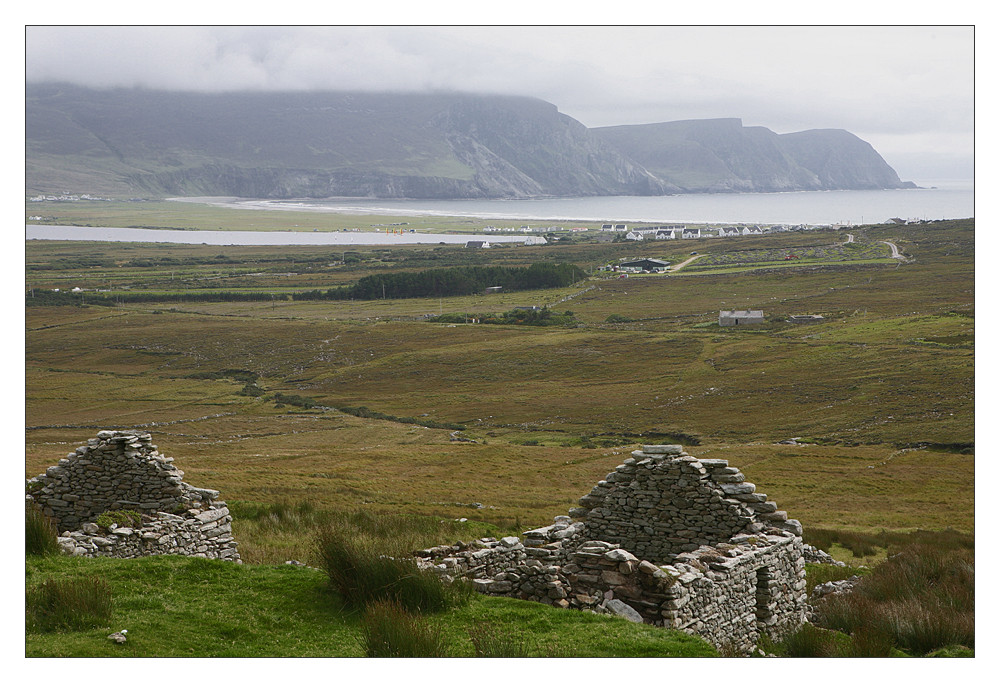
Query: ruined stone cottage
[(123, 470), (666, 539)]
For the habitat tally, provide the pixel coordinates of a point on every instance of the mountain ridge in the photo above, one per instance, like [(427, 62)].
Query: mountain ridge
[(442, 145)]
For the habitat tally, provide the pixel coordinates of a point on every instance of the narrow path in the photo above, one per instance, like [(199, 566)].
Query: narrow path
[(850, 238), (684, 263), (895, 251)]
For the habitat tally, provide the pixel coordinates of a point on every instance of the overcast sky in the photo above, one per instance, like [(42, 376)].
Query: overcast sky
[(906, 90)]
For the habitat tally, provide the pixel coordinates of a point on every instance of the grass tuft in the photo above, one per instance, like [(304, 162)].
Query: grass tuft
[(40, 533), (74, 604), (810, 641), (489, 640), (364, 570), (389, 630)]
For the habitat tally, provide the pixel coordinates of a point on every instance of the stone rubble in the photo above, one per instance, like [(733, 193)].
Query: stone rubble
[(666, 539), (123, 470)]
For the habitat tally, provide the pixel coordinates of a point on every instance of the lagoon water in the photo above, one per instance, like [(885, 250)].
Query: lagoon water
[(245, 237), (940, 200)]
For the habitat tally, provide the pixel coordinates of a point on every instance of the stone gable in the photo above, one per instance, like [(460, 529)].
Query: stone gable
[(666, 539), (123, 470)]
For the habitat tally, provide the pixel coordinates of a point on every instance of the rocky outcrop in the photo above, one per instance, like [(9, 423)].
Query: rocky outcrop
[(666, 539), (120, 475)]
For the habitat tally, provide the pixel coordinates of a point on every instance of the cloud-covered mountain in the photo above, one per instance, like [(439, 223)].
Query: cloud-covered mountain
[(721, 155), (128, 142)]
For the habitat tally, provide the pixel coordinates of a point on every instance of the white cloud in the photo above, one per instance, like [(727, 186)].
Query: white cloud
[(881, 83)]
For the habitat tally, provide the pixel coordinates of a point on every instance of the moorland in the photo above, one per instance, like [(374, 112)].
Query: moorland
[(303, 410)]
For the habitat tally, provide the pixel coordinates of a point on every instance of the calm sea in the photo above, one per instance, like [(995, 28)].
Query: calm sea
[(941, 200)]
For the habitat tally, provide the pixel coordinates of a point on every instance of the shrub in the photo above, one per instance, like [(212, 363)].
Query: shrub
[(389, 630), (123, 518), (489, 640), (40, 533), (617, 318), (364, 571), (68, 605)]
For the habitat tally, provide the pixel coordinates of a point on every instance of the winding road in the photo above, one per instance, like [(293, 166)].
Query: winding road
[(895, 251)]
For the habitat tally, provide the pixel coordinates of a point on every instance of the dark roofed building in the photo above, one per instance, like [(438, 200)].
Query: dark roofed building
[(653, 265)]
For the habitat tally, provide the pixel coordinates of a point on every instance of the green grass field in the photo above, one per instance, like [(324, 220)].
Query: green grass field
[(220, 609)]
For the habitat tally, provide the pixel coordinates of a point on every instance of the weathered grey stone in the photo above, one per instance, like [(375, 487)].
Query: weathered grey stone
[(671, 449), (621, 609)]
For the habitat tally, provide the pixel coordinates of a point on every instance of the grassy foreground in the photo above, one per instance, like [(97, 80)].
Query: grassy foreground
[(188, 607)]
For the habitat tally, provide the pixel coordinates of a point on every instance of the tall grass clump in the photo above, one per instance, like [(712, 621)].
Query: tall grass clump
[(490, 640), (364, 570), (810, 641), (390, 630), (68, 605), (922, 599), (40, 533)]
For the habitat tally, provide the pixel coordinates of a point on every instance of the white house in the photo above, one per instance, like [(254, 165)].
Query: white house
[(691, 233), (738, 318)]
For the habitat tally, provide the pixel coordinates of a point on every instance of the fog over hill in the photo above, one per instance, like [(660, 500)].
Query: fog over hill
[(138, 142)]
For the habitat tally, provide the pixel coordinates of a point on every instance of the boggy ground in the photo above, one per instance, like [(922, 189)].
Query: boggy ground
[(880, 394)]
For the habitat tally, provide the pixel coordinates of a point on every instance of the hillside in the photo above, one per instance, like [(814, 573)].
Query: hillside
[(315, 145), (722, 155), (129, 142)]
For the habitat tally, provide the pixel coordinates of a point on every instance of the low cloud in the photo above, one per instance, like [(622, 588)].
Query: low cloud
[(878, 82)]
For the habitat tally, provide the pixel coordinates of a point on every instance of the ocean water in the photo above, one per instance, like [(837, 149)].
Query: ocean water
[(935, 200)]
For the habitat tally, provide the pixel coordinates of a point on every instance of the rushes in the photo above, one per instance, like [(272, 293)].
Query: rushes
[(68, 605), (39, 532), (921, 599), (365, 568), (390, 630), (489, 640)]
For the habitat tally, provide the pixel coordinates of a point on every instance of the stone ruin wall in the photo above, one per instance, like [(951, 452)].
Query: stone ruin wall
[(123, 470), (665, 539)]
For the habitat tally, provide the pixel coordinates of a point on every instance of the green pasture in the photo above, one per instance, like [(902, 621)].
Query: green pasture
[(220, 609)]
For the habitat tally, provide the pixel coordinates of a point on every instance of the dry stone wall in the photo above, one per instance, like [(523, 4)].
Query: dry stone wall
[(124, 471), (665, 539)]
